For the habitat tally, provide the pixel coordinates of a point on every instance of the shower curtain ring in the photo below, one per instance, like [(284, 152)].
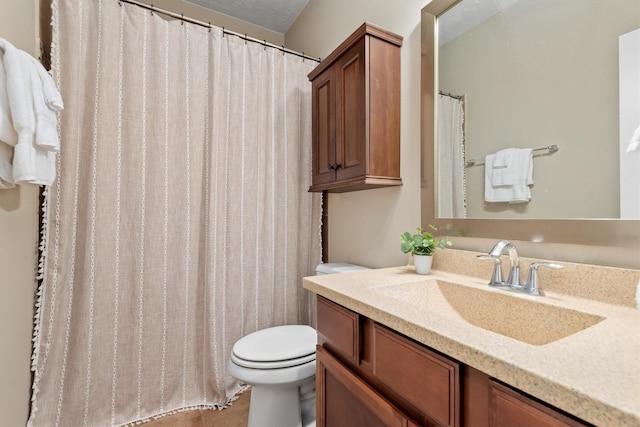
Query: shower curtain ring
[(182, 19)]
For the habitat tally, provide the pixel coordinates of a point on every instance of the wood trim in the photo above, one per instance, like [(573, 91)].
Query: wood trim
[(365, 29), (508, 408), (367, 395), (428, 381), (360, 183), (340, 329)]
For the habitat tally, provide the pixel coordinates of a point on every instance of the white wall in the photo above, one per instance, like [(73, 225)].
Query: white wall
[(364, 226), (18, 248)]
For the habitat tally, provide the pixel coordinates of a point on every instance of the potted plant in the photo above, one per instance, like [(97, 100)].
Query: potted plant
[(421, 246)]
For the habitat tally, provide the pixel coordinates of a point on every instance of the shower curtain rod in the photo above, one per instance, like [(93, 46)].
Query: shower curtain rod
[(552, 149), (459, 97), (181, 16)]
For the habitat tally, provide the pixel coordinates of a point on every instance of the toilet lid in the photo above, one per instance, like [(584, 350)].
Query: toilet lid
[(276, 344)]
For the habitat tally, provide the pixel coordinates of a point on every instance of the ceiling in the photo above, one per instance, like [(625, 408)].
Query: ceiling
[(275, 15)]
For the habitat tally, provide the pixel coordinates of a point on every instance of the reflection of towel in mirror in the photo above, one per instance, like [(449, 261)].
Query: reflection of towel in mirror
[(634, 144), (502, 169), (509, 183)]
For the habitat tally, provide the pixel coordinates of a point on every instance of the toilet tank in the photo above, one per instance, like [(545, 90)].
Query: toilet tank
[(337, 267)]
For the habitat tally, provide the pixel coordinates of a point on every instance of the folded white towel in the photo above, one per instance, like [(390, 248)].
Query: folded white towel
[(502, 173), (512, 183), (8, 134), (32, 165), (33, 101), (6, 169), (46, 101)]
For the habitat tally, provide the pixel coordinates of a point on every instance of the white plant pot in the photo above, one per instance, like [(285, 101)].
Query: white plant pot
[(422, 263)]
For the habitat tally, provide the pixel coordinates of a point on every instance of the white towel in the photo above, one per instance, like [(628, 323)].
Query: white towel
[(46, 101), (512, 185), (8, 135), (33, 101), (502, 173), (6, 169)]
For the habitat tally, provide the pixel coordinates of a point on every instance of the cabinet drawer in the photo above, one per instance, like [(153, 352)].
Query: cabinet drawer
[(426, 380), (507, 408), (344, 399), (339, 329)]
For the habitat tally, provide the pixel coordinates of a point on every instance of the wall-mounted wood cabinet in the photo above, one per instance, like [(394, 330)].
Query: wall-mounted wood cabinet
[(356, 113), (370, 375)]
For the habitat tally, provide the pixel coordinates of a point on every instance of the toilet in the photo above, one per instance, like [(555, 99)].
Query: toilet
[(279, 364)]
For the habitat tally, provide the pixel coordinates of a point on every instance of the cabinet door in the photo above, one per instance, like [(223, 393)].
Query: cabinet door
[(345, 400), (323, 127), (339, 329), (351, 137), (508, 408), (428, 381)]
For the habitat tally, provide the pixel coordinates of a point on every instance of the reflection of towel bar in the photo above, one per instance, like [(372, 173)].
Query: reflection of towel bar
[(550, 149)]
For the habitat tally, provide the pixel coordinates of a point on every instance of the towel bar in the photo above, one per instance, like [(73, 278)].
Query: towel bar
[(550, 149)]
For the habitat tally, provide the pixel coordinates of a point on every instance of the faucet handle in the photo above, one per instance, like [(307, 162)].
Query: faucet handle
[(531, 287), (496, 277)]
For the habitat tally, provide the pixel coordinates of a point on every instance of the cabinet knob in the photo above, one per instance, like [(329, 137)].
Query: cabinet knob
[(334, 166)]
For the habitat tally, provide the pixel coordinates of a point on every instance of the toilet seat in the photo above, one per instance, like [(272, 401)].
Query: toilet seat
[(277, 347)]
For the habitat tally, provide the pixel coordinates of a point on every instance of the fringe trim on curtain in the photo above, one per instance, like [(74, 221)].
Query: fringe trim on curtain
[(44, 226), (41, 269), (228, 403)]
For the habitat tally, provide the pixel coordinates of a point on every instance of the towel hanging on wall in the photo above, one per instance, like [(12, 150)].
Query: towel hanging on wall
[(29, 101), (508, 176)]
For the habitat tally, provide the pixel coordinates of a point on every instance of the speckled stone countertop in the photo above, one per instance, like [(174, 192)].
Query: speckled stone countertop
[(593, 374)]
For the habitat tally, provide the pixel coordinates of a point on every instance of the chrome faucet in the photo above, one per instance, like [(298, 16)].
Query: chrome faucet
[(514, 260), (531, 286)]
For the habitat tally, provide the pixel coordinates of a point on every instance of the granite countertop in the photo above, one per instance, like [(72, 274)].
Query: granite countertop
[(593, 374)]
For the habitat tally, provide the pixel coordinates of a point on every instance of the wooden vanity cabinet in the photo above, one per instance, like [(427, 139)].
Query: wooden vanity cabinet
[(408, 383), (370, 375), (344, 399), (508, 407), (356, 113)]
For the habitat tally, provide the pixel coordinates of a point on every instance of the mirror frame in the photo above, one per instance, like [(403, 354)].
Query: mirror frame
[(624, 233)]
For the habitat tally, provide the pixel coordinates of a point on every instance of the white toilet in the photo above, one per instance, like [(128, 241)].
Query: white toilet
[(279, 364)]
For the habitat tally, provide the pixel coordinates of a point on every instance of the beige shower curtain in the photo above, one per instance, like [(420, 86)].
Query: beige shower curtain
[(179, 220), (452, 196)]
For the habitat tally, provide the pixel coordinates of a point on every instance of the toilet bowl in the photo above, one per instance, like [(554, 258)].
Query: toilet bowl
[(279, 364)]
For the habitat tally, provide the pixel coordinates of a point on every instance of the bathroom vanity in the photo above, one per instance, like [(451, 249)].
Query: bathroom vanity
[(398, 349)]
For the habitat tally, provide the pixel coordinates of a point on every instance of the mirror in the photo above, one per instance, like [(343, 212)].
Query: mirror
[(540, 74), (531, 222)]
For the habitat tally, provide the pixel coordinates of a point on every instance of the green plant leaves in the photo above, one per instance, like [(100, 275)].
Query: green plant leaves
[(423, 243)]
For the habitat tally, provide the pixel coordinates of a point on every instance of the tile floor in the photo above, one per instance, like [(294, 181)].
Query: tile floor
[(234, 416)]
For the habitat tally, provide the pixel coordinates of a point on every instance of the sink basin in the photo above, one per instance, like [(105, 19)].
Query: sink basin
[(522, 319)]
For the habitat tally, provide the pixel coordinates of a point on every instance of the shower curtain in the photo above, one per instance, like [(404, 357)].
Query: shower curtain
[(180, 219), (451, 158)]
